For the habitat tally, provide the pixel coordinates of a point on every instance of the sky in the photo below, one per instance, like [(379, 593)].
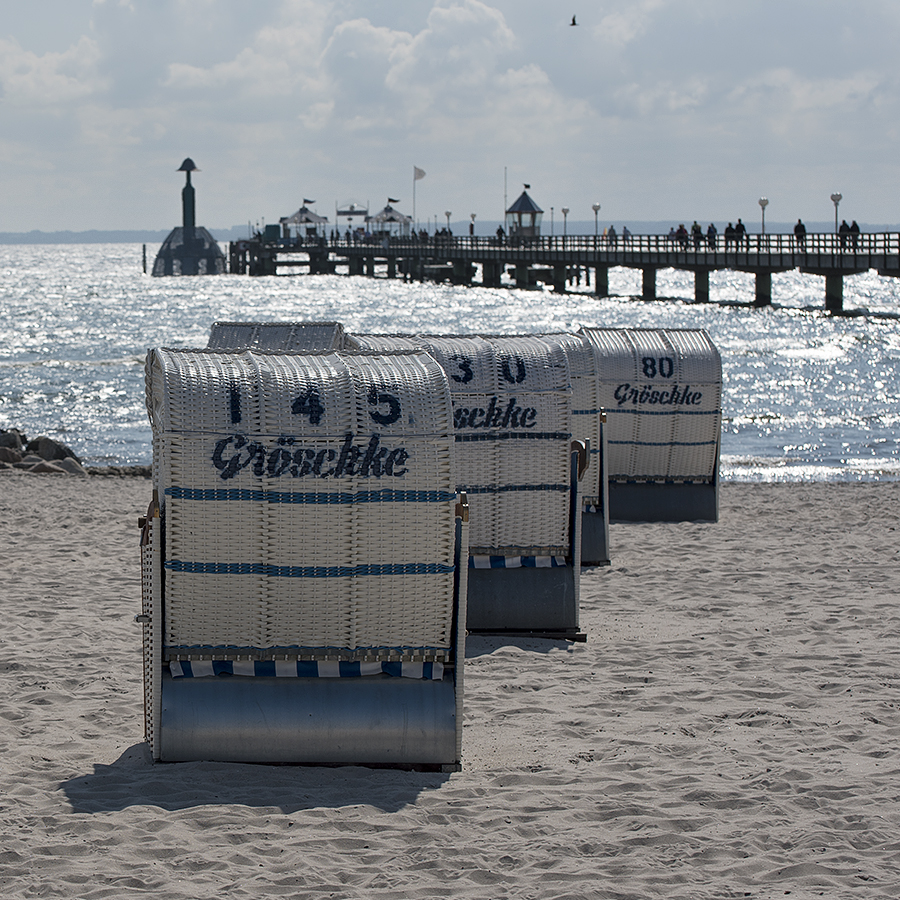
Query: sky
[(656, 109)]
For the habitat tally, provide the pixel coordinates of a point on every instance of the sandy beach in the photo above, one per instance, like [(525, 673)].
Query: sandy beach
[(730, 728)]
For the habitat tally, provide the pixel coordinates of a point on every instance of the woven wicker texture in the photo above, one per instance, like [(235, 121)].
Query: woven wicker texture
[(512, 414), (385, 341), (309, 501), (662, 392), (286, 336), (586, 408)]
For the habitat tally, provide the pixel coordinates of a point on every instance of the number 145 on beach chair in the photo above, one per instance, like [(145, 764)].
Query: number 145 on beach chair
[(303, 560)]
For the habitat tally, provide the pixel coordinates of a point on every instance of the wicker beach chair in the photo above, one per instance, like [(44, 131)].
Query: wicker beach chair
[(662, 393), (290, 337), (512, 417), (589, 427), (304, 560)]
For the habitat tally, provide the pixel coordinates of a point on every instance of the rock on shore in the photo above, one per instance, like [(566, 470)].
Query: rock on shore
[(45, 456)]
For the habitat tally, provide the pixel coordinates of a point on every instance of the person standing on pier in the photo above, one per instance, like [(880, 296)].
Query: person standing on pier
[(696, 234), (711, 236), (800, 236), (854, 234), (844, 232), (729, 235), (740, 232), (611, 237)]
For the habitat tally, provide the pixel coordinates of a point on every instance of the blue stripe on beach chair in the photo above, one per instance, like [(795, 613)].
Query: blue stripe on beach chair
[(385, 496), (675, 410), (221, 568), (300, 668), (667, 443), (514, 436), (511, 488), (516, 562)]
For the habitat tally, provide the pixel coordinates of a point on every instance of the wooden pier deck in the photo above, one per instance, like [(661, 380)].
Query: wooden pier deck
[(554, 259)]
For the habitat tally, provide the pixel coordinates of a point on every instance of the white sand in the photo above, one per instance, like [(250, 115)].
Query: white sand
[(730, 729)]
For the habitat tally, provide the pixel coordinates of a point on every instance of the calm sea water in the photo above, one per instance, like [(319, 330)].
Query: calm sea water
[(807, 396)]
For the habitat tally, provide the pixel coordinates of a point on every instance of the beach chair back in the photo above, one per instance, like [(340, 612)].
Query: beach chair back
[(662, 392), (285, 336), (310, 517)]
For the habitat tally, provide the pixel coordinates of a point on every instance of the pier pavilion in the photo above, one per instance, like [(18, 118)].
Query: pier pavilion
[(556, 259)]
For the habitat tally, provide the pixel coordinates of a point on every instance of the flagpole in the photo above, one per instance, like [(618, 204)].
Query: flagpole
[(415, 221)]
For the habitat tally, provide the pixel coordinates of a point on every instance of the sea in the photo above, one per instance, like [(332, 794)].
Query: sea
[(807, 396)]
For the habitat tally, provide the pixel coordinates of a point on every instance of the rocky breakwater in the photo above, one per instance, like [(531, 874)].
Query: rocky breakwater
[(45, 456)]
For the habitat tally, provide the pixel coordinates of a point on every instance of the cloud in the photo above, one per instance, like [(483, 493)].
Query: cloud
[(618, 29), (52, 78)]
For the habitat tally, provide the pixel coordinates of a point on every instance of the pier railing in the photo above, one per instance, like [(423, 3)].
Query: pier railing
[(816, 244), (554, 258)]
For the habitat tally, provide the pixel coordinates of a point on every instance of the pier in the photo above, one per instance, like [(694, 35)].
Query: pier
[(562, 260)]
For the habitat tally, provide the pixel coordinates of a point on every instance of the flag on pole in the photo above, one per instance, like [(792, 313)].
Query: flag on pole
[(418, 173), (307, 202), (392, 200)]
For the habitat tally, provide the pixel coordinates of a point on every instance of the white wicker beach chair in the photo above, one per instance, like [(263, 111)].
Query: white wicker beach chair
[(513, 422), (662, 392), (304, 563), (291, 337), (589, 427)]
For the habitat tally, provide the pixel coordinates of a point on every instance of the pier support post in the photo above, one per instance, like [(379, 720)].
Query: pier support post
[(834, 293), (392, 267), (763, 289), (490, 274), (601, 281), (522, 277), (462, 271), (701, 285), (356, 266), (559, 279), (648, 280), (370, 266)]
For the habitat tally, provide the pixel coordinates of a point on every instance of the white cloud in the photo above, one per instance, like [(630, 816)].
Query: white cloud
[(52, 78), (620, 28)]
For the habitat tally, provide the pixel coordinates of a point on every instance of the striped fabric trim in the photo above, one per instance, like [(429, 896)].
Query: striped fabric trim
[(294, 668), (630, 479), (385, 496), (667, 443), (517, 562), (514, 436), (506, 488), (273, 571)]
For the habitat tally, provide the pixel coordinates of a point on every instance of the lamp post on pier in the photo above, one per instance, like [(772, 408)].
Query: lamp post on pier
[(763, 203), (447, 213), (596, 209), (565, 212), (836, 198), (472, 224)]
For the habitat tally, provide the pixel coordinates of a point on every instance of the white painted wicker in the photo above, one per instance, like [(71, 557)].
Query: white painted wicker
[(308, 504), (287, 336), (586, 408), (662, 392), (512, 416)]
